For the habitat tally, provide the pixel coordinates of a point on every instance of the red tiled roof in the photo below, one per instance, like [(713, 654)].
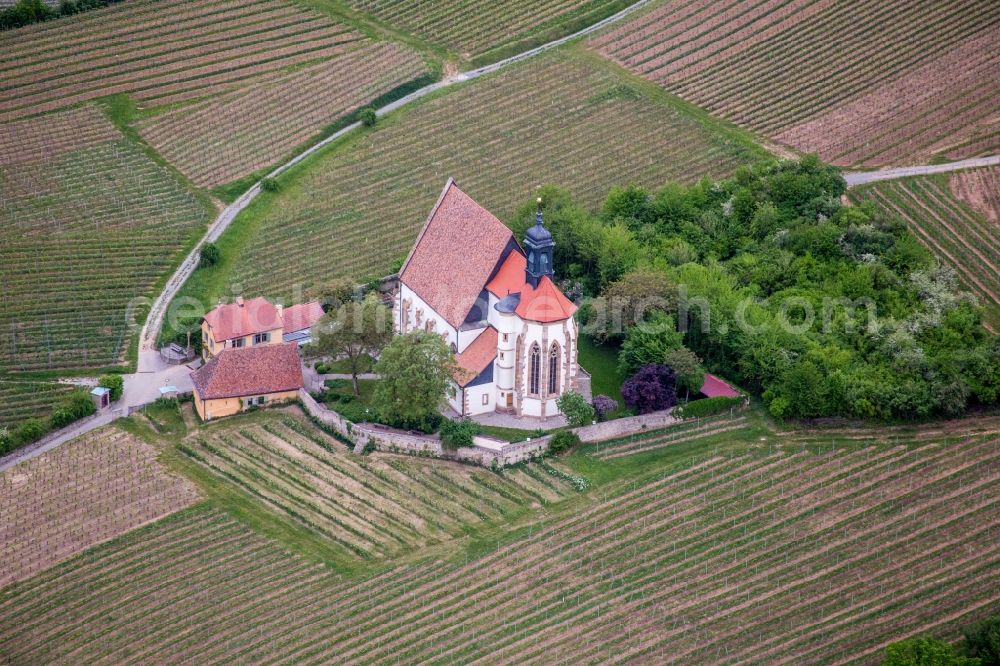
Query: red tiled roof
[(544, 303), (455, 254), (510, 278), (476, 357), (716, 388), (250, 371), (243, 318), (302, 316)]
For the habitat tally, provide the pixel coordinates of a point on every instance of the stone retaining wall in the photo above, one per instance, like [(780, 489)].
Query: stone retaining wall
[(626, 426), (488, 454)]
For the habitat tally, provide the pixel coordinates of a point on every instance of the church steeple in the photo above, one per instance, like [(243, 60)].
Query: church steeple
[(538, 244)]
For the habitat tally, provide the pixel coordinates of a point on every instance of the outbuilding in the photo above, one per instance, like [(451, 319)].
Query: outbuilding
[(238, 379)]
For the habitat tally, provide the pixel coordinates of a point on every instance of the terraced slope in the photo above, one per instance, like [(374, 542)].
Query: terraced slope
[(777, 555), (88, 222), (375, 506), (90, 490), (560, 118), (229, 136), (864, 82), (958, 234), (20, 401), (471, 27)]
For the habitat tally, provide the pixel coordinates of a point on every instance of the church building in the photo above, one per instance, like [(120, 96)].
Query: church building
[(494, 302)]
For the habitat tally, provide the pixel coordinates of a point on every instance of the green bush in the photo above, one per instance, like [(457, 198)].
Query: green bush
[(322, 369), (563, 441), (982, 641), (367, 116), (209, 255), (575, 407), (269, 185), (30, 431), (115, 383), (925, 651), (708, 407), (6, 441), (459, 433)]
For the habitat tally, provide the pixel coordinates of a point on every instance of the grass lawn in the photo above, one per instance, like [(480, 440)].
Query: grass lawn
[(341, 398), (601, 361)]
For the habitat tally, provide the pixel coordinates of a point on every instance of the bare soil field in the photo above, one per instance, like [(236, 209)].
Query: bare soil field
[(97, 487), (980, 188), (789, 552), (901, 82)]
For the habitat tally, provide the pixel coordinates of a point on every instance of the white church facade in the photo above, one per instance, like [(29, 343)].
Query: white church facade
[(495, 303)]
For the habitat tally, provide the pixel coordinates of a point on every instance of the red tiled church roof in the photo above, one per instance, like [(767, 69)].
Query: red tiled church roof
[(243, 318), (302, 316), (716, 388), (476, 357), (544, 303), (248, 371), (510, 278), (455, 254)]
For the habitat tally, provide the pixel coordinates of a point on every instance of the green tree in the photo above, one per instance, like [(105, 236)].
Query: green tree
[(563, 441), (355, 332), (619, 253), (459, 432), (115, 383), (336, 293), (982, 641), (649, 342), (367, 116), (415, 375), (29, 431), (575, 408), (209, 255), (632, 299), (924, 651), (688, 368)]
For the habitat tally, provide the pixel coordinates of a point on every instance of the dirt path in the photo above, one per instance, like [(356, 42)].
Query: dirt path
[(861, 177)]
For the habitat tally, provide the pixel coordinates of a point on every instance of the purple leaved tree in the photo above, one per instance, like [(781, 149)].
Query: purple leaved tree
[(652, 388)]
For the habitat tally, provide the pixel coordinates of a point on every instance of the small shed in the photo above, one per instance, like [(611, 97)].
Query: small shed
[(168, 392), (101, 397)]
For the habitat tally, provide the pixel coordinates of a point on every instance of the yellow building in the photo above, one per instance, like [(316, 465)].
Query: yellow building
[(238, 378), (240, 325)]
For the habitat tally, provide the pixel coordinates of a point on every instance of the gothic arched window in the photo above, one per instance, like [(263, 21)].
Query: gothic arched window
[(554, 369), (534, 369)]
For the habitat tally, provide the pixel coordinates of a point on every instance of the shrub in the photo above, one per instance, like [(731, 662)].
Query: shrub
[(6, 441), (982, 641), (651, 389), (367, 116), (30, 430), (322, 369), (459, 432), (576, 408), (61, 417), (209, 255), (603, 406), (269, 185), (708, 407), (115, 383), (563, 441), (924, 651)]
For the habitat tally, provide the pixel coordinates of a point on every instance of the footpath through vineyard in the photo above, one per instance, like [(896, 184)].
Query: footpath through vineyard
[(789, 553)]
